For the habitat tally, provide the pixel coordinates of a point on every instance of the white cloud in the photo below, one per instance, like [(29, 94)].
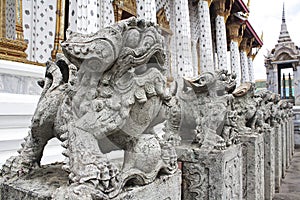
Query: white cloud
[(265, 16)]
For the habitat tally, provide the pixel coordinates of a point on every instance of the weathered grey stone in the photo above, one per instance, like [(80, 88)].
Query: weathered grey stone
[(288, 143), (253, 166), (269, 163), (211, 109), (283, 136), (50, 182), (278, 156), (291, 137), (211, 174)]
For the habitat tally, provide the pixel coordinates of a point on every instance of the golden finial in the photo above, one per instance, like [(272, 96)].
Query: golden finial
[(248, 4), (262, 36)]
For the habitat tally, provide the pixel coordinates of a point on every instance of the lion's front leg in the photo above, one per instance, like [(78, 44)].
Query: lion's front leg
[(87, 164)]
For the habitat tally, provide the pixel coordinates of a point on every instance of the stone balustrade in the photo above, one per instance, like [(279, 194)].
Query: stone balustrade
[(241, 149)]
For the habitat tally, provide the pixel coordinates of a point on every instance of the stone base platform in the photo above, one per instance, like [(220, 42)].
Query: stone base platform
[(43, 182)]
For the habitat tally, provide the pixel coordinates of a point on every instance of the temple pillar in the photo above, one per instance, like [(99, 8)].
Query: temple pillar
[(183, 39), (235, 31), (235, 60), (244, 61), (88, 16), (297, 85), (146, 9), (195, 57), (221, 40), (250, 58), (250, 69), (59, 28), (87, 21), (206, 47)]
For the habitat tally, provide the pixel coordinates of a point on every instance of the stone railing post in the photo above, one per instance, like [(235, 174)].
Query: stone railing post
[(283, 138), (269, 167), (278, 156), (215, 174), (253, 166)]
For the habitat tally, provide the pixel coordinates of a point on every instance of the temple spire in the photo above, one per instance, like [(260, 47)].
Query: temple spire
[(283, 14), (284, 34)]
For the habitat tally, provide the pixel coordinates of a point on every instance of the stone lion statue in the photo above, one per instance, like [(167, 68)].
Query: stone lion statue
[(106, 88)]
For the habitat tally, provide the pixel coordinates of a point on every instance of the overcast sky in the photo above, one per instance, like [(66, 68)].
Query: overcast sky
[(265, 16)]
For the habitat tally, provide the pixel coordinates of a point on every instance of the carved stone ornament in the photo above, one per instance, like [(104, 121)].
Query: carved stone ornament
[(108, 86), (215, 120)]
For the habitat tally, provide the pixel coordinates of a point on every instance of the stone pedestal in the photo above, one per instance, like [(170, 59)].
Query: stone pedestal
[(253, 166), (46, 180), (211, 174), (292, 135), (269, 172), (283, 140), (278, 156)]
